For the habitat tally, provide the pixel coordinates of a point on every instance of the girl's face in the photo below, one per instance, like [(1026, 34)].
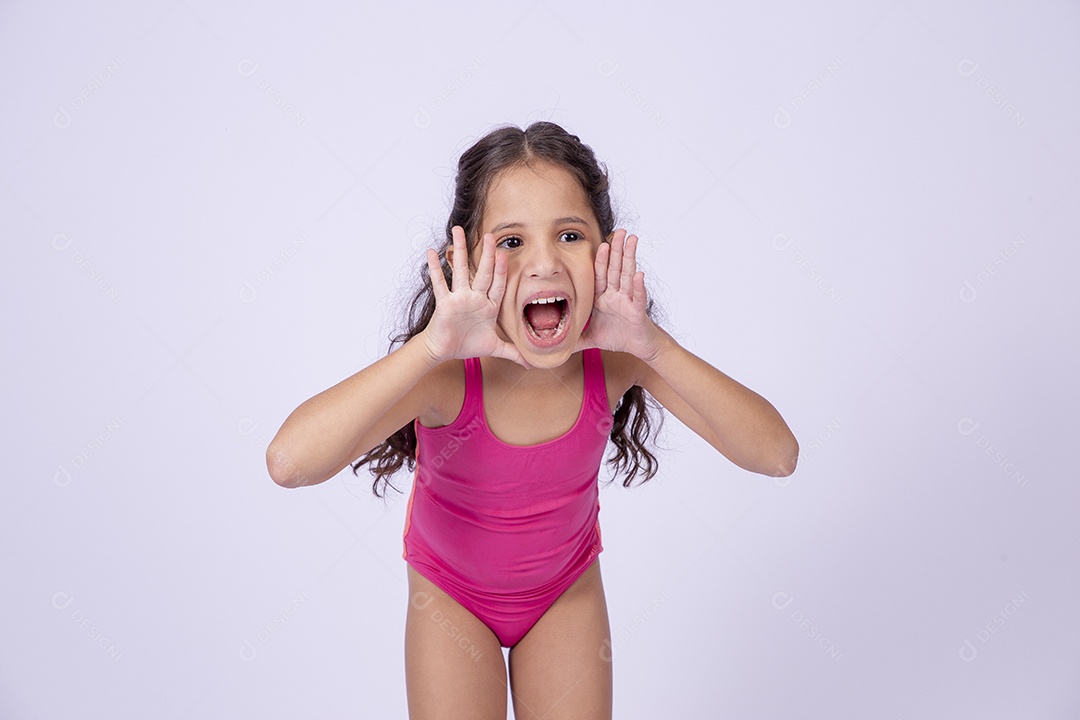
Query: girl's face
[(543, 223)]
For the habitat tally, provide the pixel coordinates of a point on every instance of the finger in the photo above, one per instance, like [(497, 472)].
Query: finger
[(639, 289), (461, 259), (615, 261), (498, 282), (600, 280), (629, 264), (486, 268), (438, 280)]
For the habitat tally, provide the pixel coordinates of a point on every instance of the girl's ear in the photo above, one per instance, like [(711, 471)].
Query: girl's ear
[(450, 259)]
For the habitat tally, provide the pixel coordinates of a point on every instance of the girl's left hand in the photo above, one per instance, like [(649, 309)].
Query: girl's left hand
[(619, 322)]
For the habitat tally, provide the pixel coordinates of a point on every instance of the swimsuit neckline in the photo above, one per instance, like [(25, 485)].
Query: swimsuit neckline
[(565, 435)]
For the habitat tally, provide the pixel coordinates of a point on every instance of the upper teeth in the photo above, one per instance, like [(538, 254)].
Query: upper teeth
[(545, 301)]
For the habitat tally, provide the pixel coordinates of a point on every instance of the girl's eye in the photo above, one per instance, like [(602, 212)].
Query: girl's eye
[(573, 235), (505, 242)]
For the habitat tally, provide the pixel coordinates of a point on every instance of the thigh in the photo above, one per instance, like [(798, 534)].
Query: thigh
[(561, 669), (454, 664)]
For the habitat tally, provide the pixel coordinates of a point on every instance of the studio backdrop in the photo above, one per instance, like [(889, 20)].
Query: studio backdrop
[(866, 212)]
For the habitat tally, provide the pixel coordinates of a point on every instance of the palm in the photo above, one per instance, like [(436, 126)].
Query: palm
[(463, 324), (615, 321), (619, 321)]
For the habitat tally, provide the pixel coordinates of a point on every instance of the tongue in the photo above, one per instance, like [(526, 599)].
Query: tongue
[(544, 317)]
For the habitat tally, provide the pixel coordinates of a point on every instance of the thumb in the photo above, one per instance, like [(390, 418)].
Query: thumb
[(508, 351), (584, 342)]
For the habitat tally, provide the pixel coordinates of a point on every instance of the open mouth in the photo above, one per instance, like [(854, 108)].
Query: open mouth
[(546, 320)]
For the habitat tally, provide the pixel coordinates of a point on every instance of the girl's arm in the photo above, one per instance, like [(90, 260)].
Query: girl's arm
[(338, 425), (739, 423), (735, 420)]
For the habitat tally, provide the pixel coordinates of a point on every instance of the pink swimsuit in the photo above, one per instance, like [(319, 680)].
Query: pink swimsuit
[(505, 529)]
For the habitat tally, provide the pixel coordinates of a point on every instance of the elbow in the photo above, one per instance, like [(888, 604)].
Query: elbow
[(784, 468), (787, 460), (281, 469)]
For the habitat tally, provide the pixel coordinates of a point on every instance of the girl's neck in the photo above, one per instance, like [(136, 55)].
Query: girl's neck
[(509, 372)]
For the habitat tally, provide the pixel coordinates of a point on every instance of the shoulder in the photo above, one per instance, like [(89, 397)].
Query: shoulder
[(623, 367), (621, 372), (445, 386)]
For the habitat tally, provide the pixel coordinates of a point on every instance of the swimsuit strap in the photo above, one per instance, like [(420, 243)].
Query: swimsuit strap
[(595, 385), (474, 389), (594, 391)]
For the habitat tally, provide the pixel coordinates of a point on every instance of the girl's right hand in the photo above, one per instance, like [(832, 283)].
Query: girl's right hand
[(464, 322)]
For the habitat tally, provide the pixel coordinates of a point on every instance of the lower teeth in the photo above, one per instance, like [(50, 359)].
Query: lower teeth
[(550, 333)]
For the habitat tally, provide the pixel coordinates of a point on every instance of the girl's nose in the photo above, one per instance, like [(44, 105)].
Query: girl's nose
[(541, 260)]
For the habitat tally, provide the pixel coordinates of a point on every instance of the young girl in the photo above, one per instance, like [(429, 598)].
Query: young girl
[(529, 347)]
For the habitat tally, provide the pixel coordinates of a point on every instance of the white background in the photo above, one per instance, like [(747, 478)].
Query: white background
[(866, 212)]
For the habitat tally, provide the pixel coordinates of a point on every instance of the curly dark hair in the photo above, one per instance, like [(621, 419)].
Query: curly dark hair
[(638, 417)]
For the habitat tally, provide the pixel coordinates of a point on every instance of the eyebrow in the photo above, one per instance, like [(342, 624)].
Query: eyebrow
[(558, 221)]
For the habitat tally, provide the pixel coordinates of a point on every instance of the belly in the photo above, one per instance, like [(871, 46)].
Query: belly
[(512, 552)]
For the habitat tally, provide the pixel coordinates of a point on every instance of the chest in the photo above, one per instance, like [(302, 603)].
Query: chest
[(529, 416), (520, 414)]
